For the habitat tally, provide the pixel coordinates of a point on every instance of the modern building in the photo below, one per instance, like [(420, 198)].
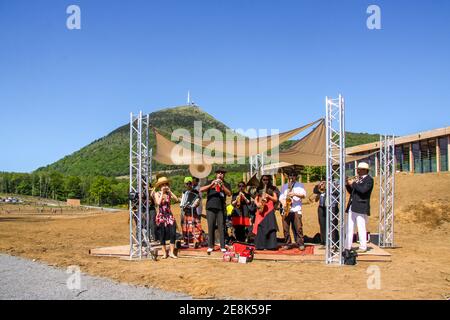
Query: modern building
[(422, 152)]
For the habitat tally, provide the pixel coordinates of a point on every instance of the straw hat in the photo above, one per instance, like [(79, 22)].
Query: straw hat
[(363, 165), (161, 181)]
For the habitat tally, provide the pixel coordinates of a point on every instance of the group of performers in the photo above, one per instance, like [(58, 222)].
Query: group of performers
[(252, 211)]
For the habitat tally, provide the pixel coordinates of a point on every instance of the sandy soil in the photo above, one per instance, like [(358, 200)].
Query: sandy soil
[(420, 267)]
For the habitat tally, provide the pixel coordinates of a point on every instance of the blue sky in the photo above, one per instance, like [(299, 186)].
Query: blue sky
[(251, 64)]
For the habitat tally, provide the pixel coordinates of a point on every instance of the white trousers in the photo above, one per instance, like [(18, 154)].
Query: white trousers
[(360, 220)]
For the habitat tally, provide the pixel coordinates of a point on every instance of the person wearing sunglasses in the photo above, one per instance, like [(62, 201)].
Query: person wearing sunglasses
[(293, 192), (196, 186), (190, 220), (240, 216), (217, 191), (165, 221), (358, 208), (265, 227)]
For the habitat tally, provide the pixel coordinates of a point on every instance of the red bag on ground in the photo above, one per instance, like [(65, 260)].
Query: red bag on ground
[(244, 249)]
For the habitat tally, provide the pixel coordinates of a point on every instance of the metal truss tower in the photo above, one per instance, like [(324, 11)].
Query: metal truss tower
[(335, 179), (387, 189), (140, 176)]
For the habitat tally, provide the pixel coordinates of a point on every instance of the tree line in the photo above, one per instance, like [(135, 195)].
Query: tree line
[(98, 190), (102, 190)]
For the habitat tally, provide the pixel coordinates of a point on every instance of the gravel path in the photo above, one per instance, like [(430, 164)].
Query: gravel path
[(25, 279)]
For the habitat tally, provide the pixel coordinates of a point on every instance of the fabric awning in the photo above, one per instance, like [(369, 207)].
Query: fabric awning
[(310, 151), (169, 152)]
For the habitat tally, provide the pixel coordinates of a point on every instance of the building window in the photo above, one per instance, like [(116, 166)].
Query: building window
[(443, 146), (425, 156), (432, 155), (402, 157), (424, 153), (417, 157)]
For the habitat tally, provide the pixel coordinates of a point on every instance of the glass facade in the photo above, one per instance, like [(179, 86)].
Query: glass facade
[(417, 157), (424, 153), (402, 157), (432, 157), (443, 153)]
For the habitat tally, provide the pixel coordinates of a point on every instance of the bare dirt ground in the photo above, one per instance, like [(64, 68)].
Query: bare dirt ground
[(420, 267)]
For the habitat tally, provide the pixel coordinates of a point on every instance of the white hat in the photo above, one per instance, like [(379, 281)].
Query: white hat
[(363, 165)]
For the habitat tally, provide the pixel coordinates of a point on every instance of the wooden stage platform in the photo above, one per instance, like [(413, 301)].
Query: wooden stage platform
[(312, 253)]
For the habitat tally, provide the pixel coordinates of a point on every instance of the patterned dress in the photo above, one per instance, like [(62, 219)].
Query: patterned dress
[(191, 222), (165, 222)]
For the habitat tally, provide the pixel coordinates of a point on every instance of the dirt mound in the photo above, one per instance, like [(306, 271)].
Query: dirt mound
[(431, 214)]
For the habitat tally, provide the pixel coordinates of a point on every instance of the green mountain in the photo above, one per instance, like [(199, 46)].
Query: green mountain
[(355, 139), (109, 156)]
